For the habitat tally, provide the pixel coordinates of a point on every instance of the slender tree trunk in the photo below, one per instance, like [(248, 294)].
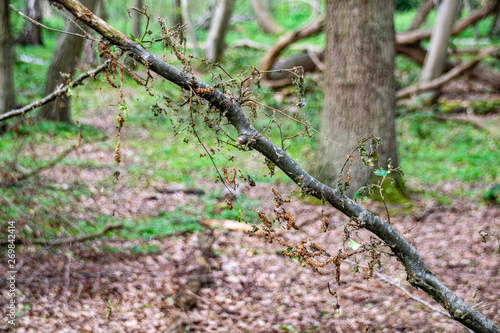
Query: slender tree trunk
[(436, 57), (494, 31), (32, 33), (264, 19), (359, 87), (220, 22), (101, 9), (176, 13), (7, 97), (61, 68), (189, 26), (137, 19)]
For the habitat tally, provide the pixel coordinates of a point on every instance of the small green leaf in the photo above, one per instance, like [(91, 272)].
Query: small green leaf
[(381, 172), (123, 109), (354, 245), (135, 39)]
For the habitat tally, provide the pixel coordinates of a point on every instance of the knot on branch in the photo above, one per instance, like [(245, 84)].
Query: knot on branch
[(458, 314), (242, 140)]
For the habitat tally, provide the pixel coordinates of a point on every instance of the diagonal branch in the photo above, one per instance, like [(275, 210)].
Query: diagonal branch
[(55, 94), (418, 274)]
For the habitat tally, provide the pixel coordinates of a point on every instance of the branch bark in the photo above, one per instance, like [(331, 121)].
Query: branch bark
[(418, 274)]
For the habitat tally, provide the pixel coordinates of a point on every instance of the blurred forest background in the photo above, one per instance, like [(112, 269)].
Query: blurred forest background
[(157, 243)]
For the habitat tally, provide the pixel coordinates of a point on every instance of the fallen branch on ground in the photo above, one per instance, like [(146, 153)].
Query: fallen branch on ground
[(61, 241), (236, 226), (462, 117), (421, 15), (50, 164), (445, 78), (81, 238)]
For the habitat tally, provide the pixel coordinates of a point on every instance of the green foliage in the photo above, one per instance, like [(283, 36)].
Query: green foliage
[(433, 151), (493, 194), (407, 5), (182, 219), (478, 106)]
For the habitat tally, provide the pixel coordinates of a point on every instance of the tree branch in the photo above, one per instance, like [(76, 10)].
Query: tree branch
[(445, 78), (415, 36), (291, 37), (29, 19), (418, 274), (57, 93)]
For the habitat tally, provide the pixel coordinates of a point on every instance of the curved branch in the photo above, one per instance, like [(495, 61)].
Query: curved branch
[(418, 274), (291, 37)]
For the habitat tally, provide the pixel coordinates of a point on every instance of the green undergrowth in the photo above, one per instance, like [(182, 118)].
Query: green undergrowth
[(434, 152)]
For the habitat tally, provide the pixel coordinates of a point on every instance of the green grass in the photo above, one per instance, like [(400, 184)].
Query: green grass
[(433, 151)]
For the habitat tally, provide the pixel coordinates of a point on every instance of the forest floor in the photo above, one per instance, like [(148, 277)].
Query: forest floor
[(224, 279), (245, 284)]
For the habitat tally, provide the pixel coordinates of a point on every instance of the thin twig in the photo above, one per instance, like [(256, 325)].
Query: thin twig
[(49, 165), (397, 285), (55, 94), (81, 238), (29, 19), (66, 281)]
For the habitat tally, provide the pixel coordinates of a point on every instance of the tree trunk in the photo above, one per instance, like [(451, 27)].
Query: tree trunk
[(359, 87), (436, 57), (494, 31), (7, 97), (137, 19), (32, 33), (64, 61), (189, 26), (176, 13), (264, 19), (218, 26)]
